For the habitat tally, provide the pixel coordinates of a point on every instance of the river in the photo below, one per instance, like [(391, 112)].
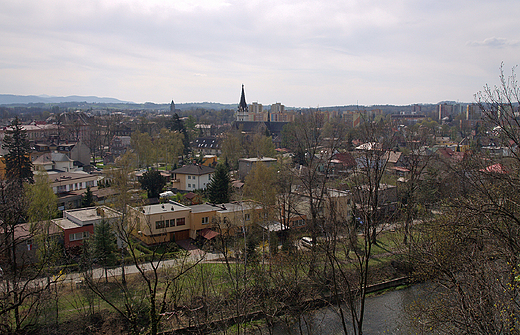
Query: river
[(384, 314)]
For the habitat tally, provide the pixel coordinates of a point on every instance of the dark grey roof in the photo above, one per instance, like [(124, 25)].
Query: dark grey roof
[(242, 106), (194, 169), (206, 143)]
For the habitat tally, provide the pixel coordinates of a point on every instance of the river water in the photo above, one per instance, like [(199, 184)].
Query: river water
[(384, 314)]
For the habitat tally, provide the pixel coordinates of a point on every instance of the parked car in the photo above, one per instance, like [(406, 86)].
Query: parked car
[(306, 241)]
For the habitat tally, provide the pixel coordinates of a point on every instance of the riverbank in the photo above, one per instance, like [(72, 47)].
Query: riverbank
[(311, 304)]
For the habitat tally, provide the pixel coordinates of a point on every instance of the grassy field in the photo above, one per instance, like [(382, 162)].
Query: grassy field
[(214, 290)]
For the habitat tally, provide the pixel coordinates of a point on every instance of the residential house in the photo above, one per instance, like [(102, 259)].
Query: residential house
[(336, 204), (119, 145), (192, 177), (172, 221), (342, 162), (235, 216), (202, 220), (54, 161), (77, 151), (26, 240), (36, 132), (78, 224), (70, 186), (161, 223), (204, 129), (245, 165), (393, 159), (207, 145)]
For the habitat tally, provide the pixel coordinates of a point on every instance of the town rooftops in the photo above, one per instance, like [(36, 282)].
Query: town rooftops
[(163, 208), (65, 224), (56, 177), (207, 143), (52, 157), (28, 230), (232, 207), (204, 208), (392, 156), (90, 215), (194, 170), (254, 160)]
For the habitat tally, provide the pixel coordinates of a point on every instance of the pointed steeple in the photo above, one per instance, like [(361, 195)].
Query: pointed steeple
[(242, 107)]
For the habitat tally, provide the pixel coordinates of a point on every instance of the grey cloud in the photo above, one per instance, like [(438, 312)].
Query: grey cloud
[(495, 43), (303, 52)]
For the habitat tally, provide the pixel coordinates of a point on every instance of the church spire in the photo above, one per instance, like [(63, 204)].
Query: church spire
[(242, 107)]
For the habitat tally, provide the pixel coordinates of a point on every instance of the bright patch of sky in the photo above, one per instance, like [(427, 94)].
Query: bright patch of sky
[(297, 52)]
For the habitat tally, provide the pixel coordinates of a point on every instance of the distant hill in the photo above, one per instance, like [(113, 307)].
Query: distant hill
[(94, 102), (11, 99)]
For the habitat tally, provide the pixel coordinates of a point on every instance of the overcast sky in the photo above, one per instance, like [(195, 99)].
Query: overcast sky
[(297, 52)]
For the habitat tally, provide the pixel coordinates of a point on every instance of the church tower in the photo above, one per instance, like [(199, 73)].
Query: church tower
[(243, 110)]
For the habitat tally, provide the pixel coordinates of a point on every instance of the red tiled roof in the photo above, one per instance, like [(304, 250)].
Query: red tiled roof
[(208, 233), (495, 168)]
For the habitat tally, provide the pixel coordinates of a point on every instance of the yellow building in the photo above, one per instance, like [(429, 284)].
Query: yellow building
[(172, 221), (160, 223), (202, 217)]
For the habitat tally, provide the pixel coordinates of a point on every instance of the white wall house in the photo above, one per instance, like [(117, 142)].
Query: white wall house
[(192, 177)]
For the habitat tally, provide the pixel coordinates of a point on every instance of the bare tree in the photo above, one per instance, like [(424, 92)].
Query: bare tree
[(154, 279), (472, 251), (314, 148), (416, 161), (351, 237)]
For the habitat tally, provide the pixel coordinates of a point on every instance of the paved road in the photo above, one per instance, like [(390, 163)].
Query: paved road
[(194, 255)]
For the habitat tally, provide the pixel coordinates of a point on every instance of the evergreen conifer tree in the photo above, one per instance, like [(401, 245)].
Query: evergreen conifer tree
[(87, 200), (18, 165), (218, 188), (104, 245), (152, 182)]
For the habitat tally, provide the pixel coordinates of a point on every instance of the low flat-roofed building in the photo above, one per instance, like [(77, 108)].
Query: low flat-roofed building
[(154, 224), (78, 224), (202, 217)]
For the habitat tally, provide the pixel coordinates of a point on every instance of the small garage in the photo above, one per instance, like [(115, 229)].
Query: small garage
[(182, 235)]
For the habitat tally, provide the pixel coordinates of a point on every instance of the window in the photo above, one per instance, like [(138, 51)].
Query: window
[(159, 224), (205, 220), (189, 185), (167, 223), (189, 177), (78, 236), (181, 221), (299, 222)]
